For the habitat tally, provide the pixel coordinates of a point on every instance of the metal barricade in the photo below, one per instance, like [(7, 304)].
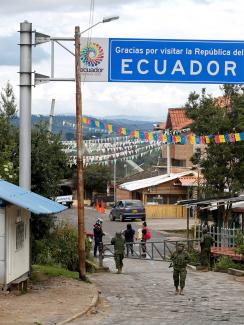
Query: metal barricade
[(150, 250)]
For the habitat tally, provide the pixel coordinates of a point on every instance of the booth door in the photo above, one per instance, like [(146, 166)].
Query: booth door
[(18, 248)]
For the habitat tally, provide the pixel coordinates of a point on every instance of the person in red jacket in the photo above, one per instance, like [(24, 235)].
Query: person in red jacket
[(148, 234)]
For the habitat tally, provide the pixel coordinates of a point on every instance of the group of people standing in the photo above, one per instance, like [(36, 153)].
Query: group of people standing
[(122, 240), (125, 239)]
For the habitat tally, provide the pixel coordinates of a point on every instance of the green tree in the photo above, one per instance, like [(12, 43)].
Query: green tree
[(8, 135), (49, 162), (221, 164), (8, 107), (96, 178)]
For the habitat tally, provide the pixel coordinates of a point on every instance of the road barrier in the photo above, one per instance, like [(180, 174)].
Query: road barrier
[(150, 250)]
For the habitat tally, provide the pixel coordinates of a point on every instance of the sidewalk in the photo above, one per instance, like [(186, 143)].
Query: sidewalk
[(168, 224), (53, 301)]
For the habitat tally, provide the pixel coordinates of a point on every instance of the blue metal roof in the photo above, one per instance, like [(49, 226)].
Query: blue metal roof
[(28, 200)]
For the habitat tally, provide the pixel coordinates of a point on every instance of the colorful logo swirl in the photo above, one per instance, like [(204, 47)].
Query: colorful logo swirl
[(92, 54)]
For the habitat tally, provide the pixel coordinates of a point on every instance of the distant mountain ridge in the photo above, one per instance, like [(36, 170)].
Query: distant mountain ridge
[(117, 121)]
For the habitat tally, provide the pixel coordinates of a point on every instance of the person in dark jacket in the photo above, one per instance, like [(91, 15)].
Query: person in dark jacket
[(98, 235), (129, 234)]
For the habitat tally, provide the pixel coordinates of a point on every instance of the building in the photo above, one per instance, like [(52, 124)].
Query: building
[(180, 155), (15, 207), (162, 192)]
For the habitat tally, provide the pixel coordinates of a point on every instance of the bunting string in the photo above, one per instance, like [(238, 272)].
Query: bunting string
[(166, 136)]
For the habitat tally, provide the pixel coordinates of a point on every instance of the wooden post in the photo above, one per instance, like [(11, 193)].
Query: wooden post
[(79, 141)]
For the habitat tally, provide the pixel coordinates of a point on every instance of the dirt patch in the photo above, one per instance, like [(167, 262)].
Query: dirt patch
[(49, 302)]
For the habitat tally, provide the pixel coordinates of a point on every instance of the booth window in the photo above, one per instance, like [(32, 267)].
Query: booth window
[(20, 234)]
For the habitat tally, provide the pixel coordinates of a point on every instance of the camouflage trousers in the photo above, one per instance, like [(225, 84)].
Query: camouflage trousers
[(205, 257), (179, 277), (118, 260)]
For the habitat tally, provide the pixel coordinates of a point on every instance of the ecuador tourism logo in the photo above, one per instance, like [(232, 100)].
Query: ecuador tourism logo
[(92, 55), (94, 59)]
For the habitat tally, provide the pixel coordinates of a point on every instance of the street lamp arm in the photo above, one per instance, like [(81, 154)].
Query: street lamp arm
[(100, 22), (105, 20)]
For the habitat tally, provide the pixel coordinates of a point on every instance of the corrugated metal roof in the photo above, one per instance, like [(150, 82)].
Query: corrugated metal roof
[(28, 200), (152, 181)]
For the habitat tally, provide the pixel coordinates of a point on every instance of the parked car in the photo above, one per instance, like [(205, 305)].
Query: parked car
[(65, 196), (128, 209)]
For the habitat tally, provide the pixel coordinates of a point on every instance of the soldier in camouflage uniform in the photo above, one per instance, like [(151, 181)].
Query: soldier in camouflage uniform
[(119, 248), (206, 243), (180, 258)]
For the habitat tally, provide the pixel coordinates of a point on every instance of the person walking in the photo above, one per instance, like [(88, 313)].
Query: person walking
[(98, 235), (119, 248), (129, 234), (180, 258)]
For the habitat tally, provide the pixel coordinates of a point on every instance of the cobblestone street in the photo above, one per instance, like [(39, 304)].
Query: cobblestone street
[(144, 294)]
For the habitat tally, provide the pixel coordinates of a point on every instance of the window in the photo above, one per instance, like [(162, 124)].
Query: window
[(155, 199), (178, 163), (133, 204), (20, 234), (173, 199)]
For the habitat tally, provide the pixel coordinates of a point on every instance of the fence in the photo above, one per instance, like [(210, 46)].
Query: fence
[(165, 211), (224, 237), (152, 250)]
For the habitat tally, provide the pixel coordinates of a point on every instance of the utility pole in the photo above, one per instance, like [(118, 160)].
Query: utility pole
[(79, 141), (115, 163), (50, 126), (25, 105)]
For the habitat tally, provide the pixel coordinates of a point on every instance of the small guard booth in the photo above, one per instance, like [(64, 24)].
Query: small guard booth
[(16, 204)]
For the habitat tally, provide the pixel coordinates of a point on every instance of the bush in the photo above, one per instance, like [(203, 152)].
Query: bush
[(42, 253), (195, 256), (61, 248), (239, 240), (64, 246), (225, 262)]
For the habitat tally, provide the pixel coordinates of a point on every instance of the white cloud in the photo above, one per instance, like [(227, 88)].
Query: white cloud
[(175, 19)]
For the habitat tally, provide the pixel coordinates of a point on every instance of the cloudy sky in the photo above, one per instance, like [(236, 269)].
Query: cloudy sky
[(161, 19)]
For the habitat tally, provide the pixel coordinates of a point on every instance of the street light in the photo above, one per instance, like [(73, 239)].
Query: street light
[(79, 139), (105, 20)]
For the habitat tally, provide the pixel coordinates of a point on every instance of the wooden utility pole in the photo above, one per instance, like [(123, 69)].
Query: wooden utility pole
[(79, 141)]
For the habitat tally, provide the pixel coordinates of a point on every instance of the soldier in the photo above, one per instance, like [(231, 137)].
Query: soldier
[(119, 248), (180, 258), (206, 243)]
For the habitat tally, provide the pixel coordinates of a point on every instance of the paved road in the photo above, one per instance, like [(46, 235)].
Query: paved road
[(144, 295), (109, 227)]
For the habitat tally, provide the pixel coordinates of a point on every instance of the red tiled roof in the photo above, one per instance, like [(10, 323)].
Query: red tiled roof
[(177, 119)]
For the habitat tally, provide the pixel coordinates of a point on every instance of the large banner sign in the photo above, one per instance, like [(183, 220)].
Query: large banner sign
[(169, 61)]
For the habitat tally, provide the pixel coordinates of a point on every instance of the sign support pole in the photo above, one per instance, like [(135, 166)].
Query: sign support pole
[(25, 105), (79, 139)]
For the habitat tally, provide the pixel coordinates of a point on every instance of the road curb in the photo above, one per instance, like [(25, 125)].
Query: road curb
[(93, 304)]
